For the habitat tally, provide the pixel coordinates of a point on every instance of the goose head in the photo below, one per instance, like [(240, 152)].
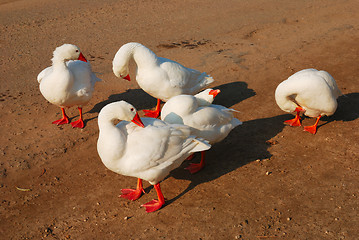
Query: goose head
[(120, 66), (123, 111), (68, 52), (206, 97), (288, 104), (121, 72)]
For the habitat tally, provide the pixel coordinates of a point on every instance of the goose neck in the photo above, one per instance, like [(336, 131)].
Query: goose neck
[(143, 56)]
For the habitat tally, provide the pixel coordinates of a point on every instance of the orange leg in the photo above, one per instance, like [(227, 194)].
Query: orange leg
[(63, 120), (156, 112), (312, 129), (155, 204), (295, 122), (79, 123), (133, 194), (195, 167)]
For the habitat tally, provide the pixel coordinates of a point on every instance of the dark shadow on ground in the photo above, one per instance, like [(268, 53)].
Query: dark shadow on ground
[(244, 144), (348, 109), (233, 93), (137, 97)]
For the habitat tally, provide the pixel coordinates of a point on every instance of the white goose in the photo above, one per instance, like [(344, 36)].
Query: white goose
[(148, 153), (159, 77), (208, 121), (311, 92), (68, 83)]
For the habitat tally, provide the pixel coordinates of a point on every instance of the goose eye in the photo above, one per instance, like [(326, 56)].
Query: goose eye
[(77, 50), (132, 109)]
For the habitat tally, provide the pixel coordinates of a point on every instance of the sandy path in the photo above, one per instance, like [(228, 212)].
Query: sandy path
[(303, 187)]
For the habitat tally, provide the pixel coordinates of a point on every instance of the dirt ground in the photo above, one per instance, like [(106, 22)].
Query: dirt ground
[(264, 181)]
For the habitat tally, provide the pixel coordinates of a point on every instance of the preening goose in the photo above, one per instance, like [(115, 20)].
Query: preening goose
[(311, 92), (159, 77), (146, 148), (68, 82)]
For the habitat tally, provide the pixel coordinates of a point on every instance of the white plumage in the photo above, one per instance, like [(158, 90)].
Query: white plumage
[(148, 153), (311, 92), (160, 77), (208, 121), (68, 83)]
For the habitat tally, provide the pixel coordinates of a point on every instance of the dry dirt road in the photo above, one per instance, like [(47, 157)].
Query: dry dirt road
[(264, 181)]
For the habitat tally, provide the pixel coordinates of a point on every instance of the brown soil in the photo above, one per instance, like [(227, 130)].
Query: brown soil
[(264, 181)]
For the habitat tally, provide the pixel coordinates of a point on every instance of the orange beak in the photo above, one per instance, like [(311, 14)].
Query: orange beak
[(214, 92), (137, 121), (82, 58), (127, 77)]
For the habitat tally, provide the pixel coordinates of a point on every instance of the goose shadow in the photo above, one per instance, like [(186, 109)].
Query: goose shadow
[(246, 143), (233, 93), (88, 120), (137, 97), (348, 109)]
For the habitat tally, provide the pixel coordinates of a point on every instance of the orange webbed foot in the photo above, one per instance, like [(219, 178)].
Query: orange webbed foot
[(61, 121), (78, 124), (152, 113), (295, 122), (196, 167), (152, 206), (131, 194), (311, 129)]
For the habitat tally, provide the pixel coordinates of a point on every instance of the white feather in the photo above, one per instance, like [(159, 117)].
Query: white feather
[(148, 153), (160, 77), (315, 91), (208, 121), (67, 83)]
